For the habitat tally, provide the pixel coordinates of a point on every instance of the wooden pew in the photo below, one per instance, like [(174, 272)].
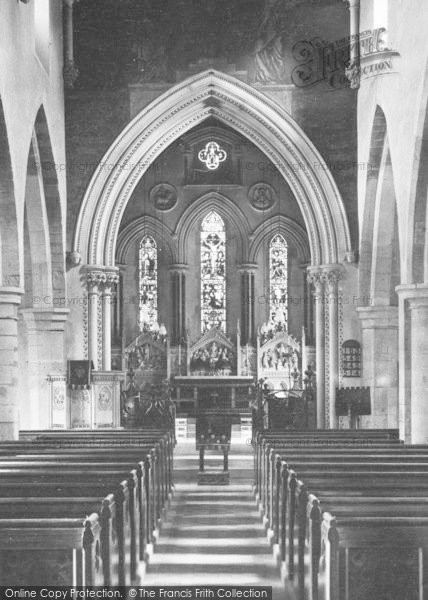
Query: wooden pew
[(68, 483), (338, 441), (53, 466), (51, 552), (365, 483), (308, 546), (373, 557), (401, 455), (338, 479), (74, 507), (163, 461), (161, 468), (370, 485), (267, 469), (100, 473)]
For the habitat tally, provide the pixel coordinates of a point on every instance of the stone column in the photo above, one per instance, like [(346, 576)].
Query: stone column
[(331, 277), (353, 70), (419, 378), (247, 303), (315, 278), (95, 279), (10, 299), (70, 71), (178, 284), (413, 362), (43, 338), (111, 279), (379, 363)]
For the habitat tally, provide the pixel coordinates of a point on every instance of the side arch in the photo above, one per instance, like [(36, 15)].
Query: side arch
[(378, 140), (10, 273), (53, 203)]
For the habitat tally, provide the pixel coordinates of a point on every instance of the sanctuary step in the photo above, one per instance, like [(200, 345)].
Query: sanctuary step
[(213, 535)]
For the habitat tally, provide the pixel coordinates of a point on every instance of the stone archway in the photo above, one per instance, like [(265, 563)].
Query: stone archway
[(241, 107), (43, 311), (273, 131)]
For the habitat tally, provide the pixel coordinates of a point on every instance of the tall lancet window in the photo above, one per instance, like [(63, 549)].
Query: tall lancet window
[(148, 283), (278, 280), (213, 273)]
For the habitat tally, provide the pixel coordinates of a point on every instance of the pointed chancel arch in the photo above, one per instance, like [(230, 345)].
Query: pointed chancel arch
[(249, 112)]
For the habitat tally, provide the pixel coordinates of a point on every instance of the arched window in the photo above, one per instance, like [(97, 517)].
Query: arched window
[(213, 273), (278, 280), (148, 274)]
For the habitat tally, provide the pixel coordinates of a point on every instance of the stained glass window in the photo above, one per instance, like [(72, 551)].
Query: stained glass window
[(148, 283), (278, 280), (213, 273)]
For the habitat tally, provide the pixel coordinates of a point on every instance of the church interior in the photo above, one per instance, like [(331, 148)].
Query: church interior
[(214, 296)]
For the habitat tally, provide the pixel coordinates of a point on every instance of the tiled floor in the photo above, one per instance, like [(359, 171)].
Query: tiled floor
[(214, 534)]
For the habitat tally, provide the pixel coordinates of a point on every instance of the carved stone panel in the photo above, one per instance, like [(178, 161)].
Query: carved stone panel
[(81, 409)]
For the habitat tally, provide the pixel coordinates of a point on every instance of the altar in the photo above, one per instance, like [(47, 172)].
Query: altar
[(214, 378)]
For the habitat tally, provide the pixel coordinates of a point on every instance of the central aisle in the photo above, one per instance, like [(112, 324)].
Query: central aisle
[(213, 535)]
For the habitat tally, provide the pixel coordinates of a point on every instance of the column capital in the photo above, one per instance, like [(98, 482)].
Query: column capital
[(331, 276), (248, 267), (314, 276), (112, 278), (94, 280), (69, 3), (101, 277)]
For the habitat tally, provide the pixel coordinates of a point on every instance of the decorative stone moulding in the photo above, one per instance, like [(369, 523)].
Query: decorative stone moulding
[(262, 196), (163, 196)]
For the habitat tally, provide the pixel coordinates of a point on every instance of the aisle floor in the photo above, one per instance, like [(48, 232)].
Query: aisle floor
[(213, 535)]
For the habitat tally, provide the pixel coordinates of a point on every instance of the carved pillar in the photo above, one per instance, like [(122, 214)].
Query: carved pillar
[(247, 303), (331, 277), (308, 309), (315, 278), (94, 279), (178, 285), (10, 299), (353, 70), (111, 279), (70, 71)]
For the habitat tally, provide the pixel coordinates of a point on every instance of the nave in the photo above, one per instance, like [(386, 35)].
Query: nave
[(328, 515)]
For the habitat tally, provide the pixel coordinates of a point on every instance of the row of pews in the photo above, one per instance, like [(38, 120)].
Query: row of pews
[(347, 512), (82, 508)]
